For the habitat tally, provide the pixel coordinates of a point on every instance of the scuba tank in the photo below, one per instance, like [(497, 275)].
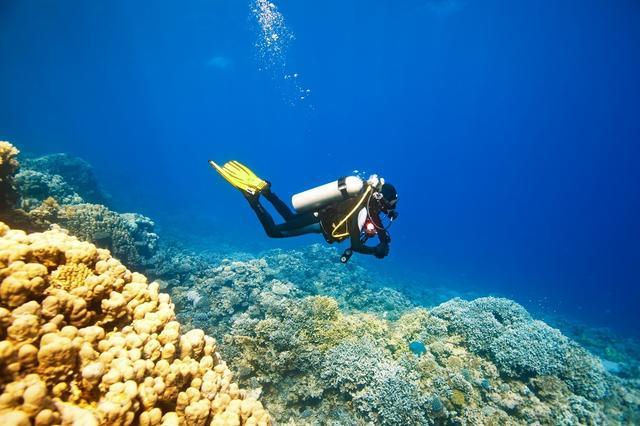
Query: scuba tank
[(320, 196)]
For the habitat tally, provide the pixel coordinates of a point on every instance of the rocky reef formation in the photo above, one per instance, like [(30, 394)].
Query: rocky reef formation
[(68, 179), (316, 342), (87, 342), (60, 189), (128, 236)]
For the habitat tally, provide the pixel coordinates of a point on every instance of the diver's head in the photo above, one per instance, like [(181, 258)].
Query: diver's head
[(388, 199)]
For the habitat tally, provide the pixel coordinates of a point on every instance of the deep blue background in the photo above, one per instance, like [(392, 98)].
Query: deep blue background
[(511, 129)]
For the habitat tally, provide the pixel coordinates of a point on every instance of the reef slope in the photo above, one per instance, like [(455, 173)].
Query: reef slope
[(87, 342)]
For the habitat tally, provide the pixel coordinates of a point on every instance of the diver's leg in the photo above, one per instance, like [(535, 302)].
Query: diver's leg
[(265, 219), (280, 205), (300, 224)]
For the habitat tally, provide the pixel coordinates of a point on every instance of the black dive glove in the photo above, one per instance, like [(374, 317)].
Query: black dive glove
[(382, 250)]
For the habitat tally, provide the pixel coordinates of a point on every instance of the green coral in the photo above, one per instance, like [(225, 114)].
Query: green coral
[(457, 398)]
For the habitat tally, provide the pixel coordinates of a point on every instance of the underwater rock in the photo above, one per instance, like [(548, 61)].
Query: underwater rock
[(86, 341), (76, 174), (611, 367)]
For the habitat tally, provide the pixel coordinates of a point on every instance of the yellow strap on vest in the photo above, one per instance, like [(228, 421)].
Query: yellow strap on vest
[(334, 233)]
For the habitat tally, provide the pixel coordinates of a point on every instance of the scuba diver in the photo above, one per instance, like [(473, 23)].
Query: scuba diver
[(346, 208)]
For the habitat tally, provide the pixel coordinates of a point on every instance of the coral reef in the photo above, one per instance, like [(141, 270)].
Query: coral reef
[(129, 236), (8, 167), (244, 285), (293, 332), (382, 391), (520, 346), (57, 193), (85, 341), (319, 342), (75, 176), (35, 187)]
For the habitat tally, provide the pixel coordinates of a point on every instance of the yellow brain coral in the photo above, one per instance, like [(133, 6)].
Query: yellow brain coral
[(87, 342)]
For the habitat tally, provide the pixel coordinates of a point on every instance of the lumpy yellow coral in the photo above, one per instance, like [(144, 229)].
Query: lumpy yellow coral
[(70, 276), (87, 342), (8, 162), (8, 166)]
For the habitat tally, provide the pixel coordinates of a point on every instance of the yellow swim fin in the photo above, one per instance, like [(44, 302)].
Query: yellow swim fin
[(240, 176)]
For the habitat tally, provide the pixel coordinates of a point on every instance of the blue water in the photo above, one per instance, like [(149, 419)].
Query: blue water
[(511, 129)]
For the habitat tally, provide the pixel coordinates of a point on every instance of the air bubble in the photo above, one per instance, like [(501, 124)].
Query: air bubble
[(272, 45)]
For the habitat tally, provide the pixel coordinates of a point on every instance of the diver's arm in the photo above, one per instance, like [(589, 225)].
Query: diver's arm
[(383, 235), (357, 244), (382, 249), (379, 251)]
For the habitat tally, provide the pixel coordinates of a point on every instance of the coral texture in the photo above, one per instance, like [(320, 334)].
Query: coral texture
[(76, 174), (35, 187), (87, 342), (129, 236), (291, 329), (8, 167), (522, 347), (57, 192)]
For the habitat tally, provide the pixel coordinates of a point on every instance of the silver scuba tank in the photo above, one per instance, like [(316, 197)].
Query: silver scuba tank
[(315, 198)]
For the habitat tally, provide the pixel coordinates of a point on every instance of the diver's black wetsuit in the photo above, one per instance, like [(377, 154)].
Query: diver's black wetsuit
[(309, 223), (295, 223)]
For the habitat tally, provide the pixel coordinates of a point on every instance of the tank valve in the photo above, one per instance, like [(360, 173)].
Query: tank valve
[(346, 255)]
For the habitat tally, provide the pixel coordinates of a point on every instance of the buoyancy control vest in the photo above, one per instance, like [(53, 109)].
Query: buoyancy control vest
[(336, 217)]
